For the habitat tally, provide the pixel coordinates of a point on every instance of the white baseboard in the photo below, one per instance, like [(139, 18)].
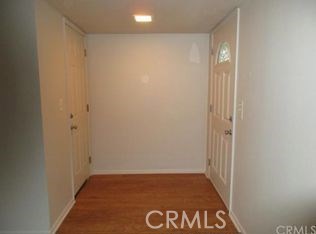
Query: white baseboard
[(236, 222), (62, 216), (153, 171)]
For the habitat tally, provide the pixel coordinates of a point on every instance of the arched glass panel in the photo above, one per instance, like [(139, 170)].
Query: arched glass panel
[(223, 53)]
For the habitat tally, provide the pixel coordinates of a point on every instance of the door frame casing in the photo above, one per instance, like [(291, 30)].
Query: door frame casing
[(68, 23), (210, 101)]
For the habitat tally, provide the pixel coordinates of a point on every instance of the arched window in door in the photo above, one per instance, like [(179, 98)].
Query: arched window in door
[(223, 53)]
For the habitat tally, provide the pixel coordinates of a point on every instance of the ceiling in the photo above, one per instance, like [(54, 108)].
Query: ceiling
[(169, 16)]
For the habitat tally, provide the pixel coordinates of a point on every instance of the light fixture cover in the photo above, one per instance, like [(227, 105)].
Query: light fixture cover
[(143, 18)]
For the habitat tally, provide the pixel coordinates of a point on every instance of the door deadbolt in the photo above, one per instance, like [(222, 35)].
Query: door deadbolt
[(228, 132)]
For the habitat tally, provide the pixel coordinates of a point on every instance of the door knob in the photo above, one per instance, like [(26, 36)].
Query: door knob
[(228, 132), (73, 127)]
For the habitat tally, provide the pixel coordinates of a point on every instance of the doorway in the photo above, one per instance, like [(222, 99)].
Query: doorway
[(222, 105), (77, 104)]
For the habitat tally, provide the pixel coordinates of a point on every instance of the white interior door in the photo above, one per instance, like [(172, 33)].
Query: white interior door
[(77, 104), (224, 40)]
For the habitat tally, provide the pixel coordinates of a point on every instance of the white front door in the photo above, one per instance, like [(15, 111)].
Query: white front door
[(77, 104), (222, 105)]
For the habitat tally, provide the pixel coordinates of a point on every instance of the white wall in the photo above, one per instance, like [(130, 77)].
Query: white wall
[(23, 195), (275, 168), (52, 73), (148, 102)]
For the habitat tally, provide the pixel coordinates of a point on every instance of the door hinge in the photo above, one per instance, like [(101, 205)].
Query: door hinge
[(90, 159), (211, 108), (212, 51), (88, 108), (209, 162), (85, 52)]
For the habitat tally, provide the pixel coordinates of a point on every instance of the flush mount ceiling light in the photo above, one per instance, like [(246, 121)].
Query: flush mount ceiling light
[(143, 18)]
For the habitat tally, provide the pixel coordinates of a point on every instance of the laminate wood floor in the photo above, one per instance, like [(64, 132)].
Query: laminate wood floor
[(118, 204)]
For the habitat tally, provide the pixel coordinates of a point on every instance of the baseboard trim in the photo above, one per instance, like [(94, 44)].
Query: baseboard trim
[(153, 171), (236, 222), (62, 216)]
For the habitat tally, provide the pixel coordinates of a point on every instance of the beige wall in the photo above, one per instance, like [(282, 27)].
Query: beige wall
[(275, 166), (148, 98), (53, 99), (23, 191)]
